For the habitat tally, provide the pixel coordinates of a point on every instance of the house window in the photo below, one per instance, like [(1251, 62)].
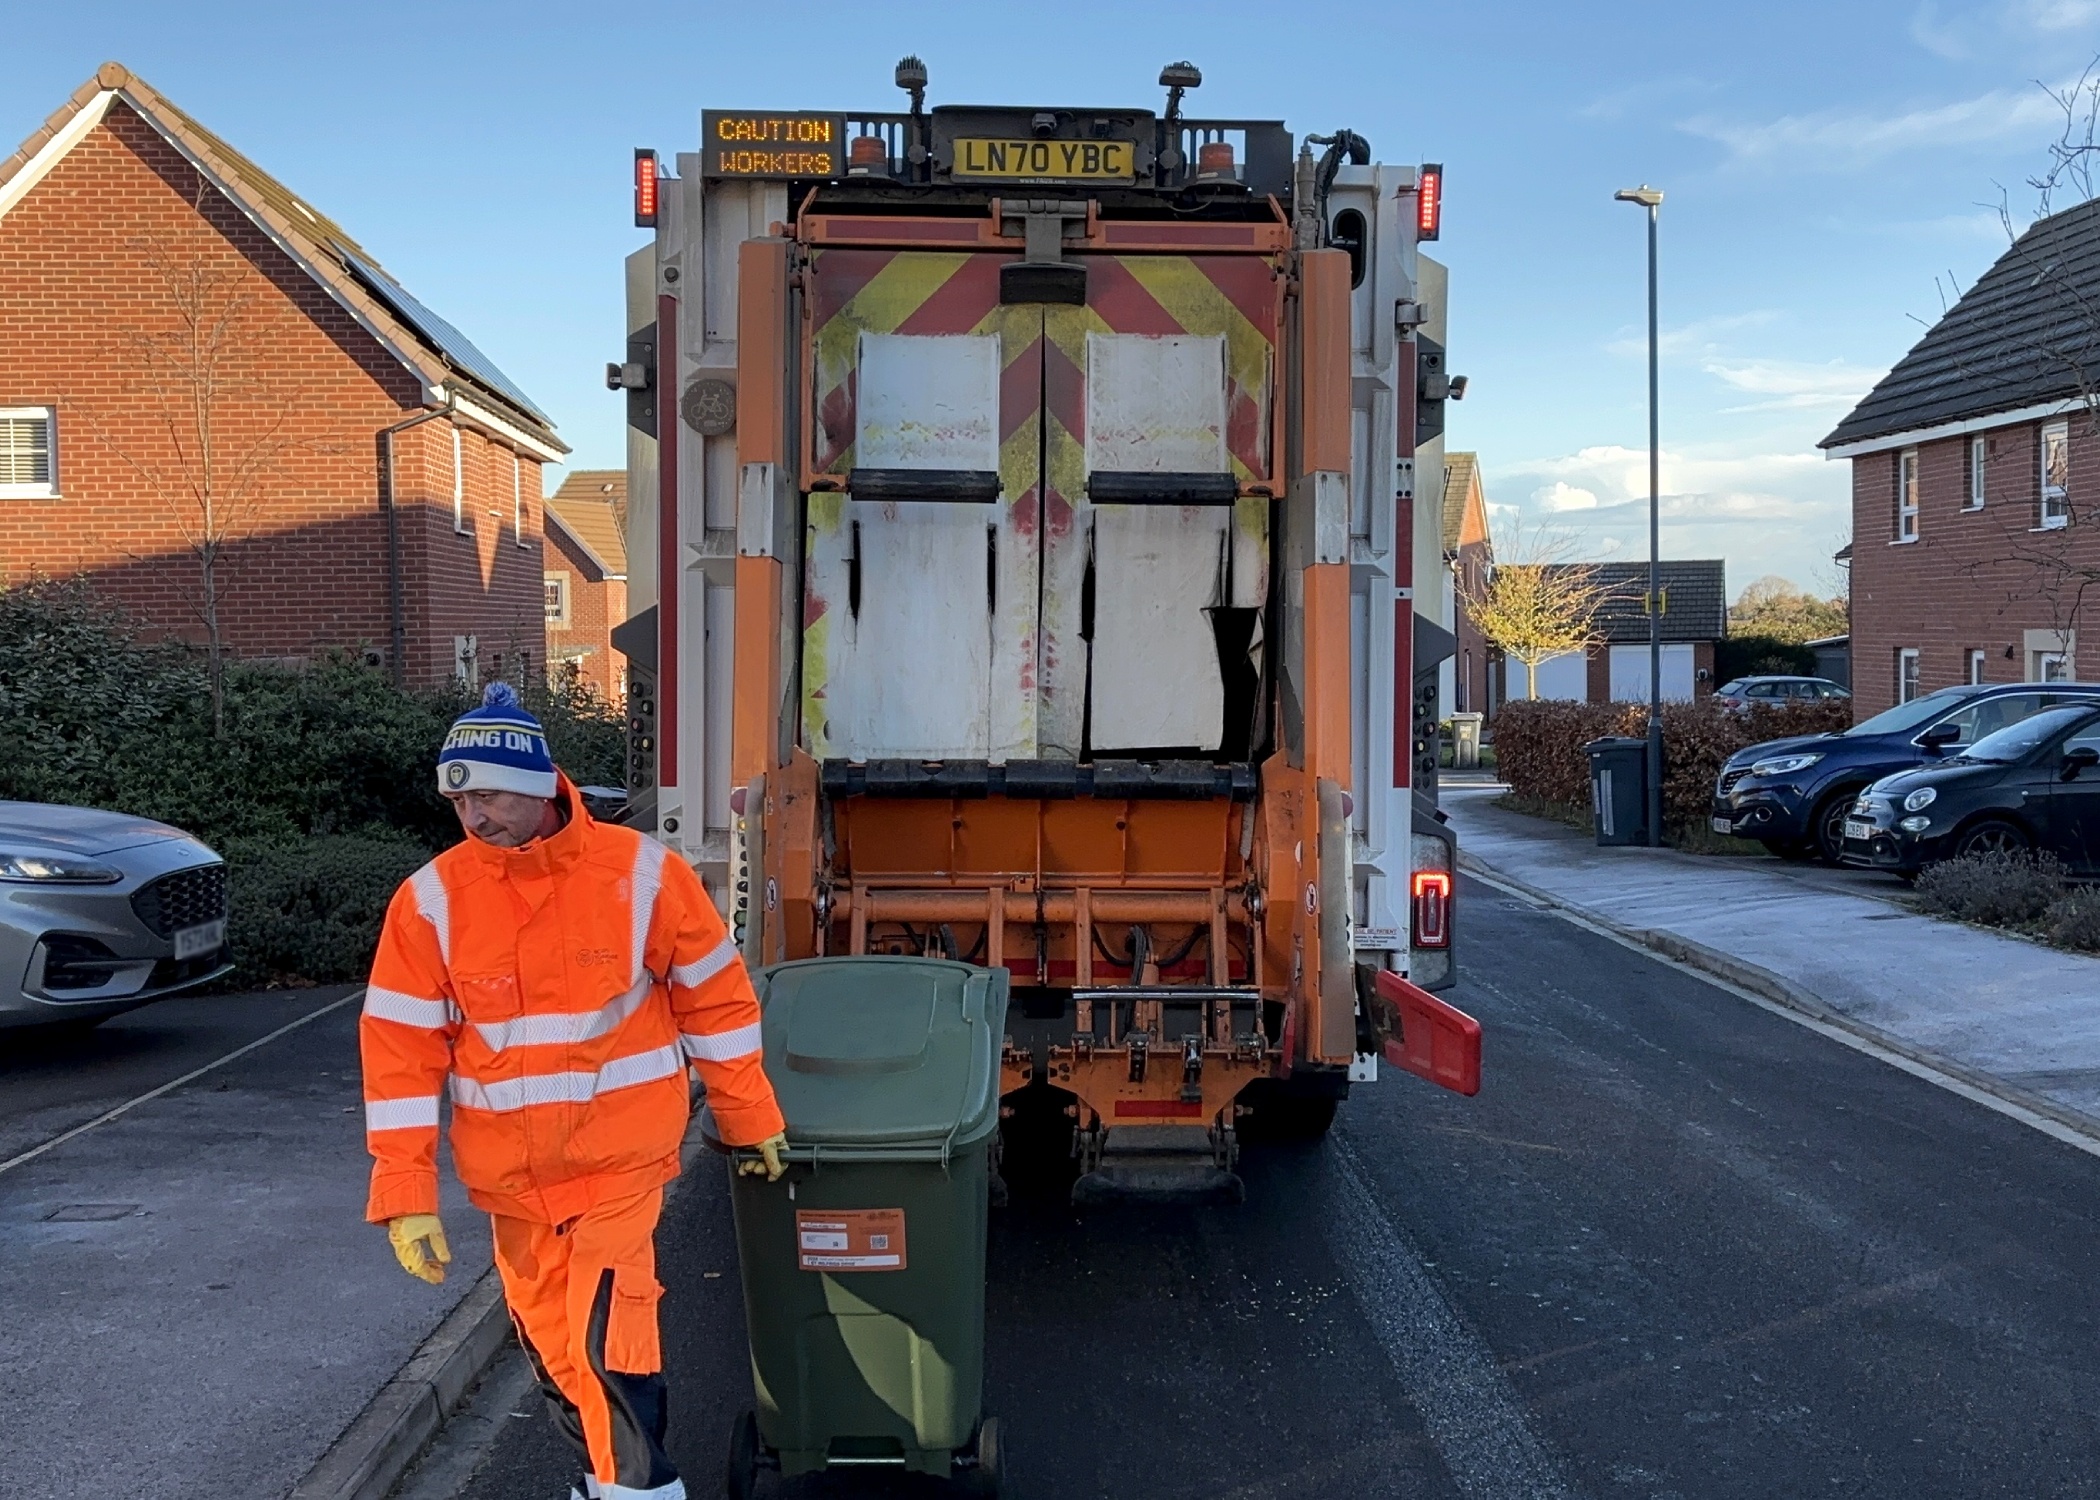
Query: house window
[(2056, 474), (459, 484), (1907, 496), (517, 497), (28, 453), (1906, 673), (558, 600), (1979, 456), (1976, 659), (2052, 666)]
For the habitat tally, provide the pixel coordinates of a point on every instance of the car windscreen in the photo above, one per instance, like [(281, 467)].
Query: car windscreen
[(1909, 715), (2015, 740), (1735, 686)]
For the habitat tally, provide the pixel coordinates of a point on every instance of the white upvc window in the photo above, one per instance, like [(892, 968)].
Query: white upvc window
[(28, 453), (1906, 673), (558, 600), (1979, 462), (1907, 495), (1976, 660), (2056, 475), (459, 483), (517, 498)]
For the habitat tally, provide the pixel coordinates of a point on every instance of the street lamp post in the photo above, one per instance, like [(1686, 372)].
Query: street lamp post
[(1651, 199)]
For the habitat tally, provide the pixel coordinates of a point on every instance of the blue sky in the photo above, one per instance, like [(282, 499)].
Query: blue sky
[(1824, 165)]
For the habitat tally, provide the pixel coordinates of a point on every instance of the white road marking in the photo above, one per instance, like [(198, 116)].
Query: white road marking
[(1471, 1411), (130, 1104), (2054, 1129)]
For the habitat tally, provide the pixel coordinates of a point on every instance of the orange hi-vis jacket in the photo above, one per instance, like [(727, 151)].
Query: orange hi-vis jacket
[(559, 989)]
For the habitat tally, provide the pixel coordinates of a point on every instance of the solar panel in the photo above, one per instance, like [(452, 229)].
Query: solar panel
[(448, 341)]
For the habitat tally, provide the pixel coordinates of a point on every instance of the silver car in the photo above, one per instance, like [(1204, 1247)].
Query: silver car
[(101, 912)]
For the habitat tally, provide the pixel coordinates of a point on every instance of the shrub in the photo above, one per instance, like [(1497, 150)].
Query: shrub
[(1539, 745), (2074, 920), (310, 908), (1994, 889)]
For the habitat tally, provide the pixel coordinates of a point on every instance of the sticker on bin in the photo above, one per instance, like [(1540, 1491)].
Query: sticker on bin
[(850, 1239)]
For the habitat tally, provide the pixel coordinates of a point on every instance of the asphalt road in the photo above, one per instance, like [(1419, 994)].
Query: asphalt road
[(1678, 1247)]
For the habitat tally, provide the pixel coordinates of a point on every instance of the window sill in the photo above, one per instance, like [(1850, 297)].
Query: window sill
[(2064, 525), (18, 492), (1903, 541), (1970, 510)]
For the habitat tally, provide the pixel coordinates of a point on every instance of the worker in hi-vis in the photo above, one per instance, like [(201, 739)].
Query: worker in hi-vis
[(556, 975)]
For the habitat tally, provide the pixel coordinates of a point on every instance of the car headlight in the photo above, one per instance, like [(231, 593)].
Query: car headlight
[(1915, 825), (1783, 765), (56, 869), (1921, 799)]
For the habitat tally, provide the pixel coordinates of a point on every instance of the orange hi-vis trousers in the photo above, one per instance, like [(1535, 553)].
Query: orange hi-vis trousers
[(583, 1295)]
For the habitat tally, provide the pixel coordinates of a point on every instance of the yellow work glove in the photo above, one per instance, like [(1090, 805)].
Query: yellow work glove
[(771, 1160), (419, 1244)]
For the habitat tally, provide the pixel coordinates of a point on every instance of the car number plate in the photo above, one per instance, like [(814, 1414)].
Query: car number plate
[(1854, 829), (1724, 825), (1085, 161), (207, 937)]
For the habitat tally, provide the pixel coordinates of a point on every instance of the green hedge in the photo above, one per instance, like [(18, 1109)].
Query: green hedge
[(318, 794)]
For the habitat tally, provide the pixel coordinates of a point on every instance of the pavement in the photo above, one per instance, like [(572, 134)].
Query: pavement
[(195, 1305), (1999, 1010), (1679, 1248)]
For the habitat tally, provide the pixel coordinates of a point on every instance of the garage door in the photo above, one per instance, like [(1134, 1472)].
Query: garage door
[(1629, 673), (1564, 676)]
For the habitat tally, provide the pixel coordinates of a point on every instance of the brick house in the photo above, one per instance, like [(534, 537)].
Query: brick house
[(1615, 668), (1474, 675), (1970, 462), (375, 480), (586, 577)]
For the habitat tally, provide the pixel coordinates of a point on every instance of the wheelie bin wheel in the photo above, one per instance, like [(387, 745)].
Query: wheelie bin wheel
[(740, 1480), (986, 1475)]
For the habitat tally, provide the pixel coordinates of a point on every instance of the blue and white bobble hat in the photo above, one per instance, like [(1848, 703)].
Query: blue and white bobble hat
[(498, 747)]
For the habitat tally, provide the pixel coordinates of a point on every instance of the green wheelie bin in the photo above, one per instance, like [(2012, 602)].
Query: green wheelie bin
[(863, 1266)]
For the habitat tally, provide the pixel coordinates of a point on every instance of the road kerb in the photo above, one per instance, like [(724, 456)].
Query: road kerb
[(1784, 992)]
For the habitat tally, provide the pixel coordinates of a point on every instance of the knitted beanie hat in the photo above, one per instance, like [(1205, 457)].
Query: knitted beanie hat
[(498, 747)]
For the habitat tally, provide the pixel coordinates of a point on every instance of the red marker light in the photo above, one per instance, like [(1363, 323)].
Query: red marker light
[(1429, 201), (644, 189), (1432, 893)]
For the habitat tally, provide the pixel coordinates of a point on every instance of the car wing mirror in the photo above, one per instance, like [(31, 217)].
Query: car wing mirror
[(2079, 758), (1940, 735)]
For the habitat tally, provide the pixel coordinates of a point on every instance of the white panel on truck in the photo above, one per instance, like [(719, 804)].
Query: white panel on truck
[(1156, 404), (928, 401)]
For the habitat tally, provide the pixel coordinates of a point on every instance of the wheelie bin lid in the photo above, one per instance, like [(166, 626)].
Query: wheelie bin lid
[(878, 1054)]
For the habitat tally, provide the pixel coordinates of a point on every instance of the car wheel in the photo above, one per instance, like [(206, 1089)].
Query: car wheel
[(1829, 824), (1994, 836)]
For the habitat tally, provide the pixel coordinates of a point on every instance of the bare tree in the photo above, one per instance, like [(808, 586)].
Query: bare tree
[(208, 422), (1532, 603)]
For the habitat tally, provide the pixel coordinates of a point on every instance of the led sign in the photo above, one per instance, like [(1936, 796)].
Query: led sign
[(759, 143)]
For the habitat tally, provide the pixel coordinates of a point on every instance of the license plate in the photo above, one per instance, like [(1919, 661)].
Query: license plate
[(1854, 829), (1085, 161), (1724, 825), (207, 937)]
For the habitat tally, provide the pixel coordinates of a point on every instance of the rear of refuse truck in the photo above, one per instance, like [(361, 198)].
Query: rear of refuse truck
[(1022, 523)]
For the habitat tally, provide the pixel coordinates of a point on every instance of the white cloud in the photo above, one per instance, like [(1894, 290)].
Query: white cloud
[(1942, 38), (1697, 337), (1560, 495), (2059, 15), (1845, 139), (1791, 385)]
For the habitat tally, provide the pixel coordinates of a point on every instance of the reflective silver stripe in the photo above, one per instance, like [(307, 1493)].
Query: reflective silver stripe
[(707, 965), (648, 881), (724, 1046), (402, 1114), (435, 906), (508, 1094), (675, 1490), (550, 1027), (392, 1005)]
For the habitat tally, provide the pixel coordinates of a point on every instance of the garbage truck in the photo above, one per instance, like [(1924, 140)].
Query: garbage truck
[(1022, 515)]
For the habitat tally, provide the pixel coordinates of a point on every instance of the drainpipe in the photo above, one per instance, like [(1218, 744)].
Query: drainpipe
[(397, 624)]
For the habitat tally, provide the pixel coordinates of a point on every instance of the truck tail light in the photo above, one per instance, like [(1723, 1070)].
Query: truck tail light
[(1429, 201), (644, 189), (1432, 894)]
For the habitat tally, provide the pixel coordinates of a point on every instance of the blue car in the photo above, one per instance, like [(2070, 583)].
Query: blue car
[(1791, 795)]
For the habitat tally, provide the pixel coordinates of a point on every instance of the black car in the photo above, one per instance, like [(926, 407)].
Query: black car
[(2034, 785), (1792, 794)]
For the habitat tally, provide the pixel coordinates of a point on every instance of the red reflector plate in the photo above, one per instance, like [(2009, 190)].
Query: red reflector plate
[(1438, 1042), (1158, 1109)]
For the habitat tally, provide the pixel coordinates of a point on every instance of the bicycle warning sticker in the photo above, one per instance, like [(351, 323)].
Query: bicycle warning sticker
[(850, 1239)]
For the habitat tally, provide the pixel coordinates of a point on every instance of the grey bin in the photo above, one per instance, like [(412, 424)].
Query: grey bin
[(1465, 740), (863, 1266), (1619, 790)]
